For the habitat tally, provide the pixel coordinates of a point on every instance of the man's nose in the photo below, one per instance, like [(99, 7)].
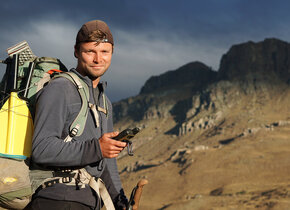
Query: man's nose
[(97, 58)]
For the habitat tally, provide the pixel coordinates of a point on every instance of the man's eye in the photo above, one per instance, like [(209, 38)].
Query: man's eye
[(89, 51)]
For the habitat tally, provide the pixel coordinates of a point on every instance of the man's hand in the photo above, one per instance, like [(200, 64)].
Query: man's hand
[(111, 148)]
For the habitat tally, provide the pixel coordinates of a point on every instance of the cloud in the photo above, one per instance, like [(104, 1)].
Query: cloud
[(54, 39), (51, 39), (137, 57), (151, 36)]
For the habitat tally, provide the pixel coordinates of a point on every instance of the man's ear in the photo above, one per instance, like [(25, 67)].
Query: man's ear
[(75, 52)]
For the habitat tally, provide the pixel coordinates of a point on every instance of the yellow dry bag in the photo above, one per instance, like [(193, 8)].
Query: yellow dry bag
[(16, 128)]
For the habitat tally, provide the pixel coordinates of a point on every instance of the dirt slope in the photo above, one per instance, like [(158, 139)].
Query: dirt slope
[(242, 162)]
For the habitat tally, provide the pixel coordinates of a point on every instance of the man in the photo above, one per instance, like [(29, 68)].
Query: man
[(57, 107)]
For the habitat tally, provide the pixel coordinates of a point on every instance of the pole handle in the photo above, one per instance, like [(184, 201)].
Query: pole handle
[(138, 193)]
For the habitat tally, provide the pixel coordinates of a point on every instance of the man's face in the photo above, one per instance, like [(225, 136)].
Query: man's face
[(93, 60)]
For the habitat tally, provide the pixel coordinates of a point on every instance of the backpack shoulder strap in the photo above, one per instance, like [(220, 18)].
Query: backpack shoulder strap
[(78, 125)]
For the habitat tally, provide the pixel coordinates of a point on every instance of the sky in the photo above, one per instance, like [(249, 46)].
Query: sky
[(151, 36)]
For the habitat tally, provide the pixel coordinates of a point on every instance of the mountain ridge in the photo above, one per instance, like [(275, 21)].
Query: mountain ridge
[(198, 77), (214, 144), (196, 72)]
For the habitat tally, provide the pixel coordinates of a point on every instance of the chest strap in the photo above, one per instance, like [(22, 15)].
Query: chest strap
[(78, 125)]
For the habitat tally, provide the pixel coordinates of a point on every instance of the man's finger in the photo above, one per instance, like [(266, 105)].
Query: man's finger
[(118, 143), (111, 134), (121, 144), (116, 148)]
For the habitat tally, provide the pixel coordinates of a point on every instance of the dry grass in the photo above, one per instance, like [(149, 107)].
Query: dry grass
[(217, 168)]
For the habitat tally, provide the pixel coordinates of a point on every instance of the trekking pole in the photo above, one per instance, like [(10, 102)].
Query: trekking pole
[(136, 195)]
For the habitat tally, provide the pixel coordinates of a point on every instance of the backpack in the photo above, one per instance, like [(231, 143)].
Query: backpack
[(25, 75)]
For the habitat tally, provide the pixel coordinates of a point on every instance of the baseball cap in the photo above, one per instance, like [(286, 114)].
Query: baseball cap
[(86, 29)]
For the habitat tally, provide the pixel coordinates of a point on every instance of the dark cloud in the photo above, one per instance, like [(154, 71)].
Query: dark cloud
[(151, 36)]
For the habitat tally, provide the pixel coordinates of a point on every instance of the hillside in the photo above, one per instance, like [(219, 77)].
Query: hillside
[(213, 140)]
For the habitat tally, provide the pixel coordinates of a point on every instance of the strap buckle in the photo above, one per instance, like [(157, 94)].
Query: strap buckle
[(66, 180), (74, 132)]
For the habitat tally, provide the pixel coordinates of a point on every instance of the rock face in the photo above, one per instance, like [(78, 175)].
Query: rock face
[(262, 60)]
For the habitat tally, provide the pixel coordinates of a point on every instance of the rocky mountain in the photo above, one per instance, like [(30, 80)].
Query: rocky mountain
[(264, 60), (196, 73), (165, 88), (213, 139)]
